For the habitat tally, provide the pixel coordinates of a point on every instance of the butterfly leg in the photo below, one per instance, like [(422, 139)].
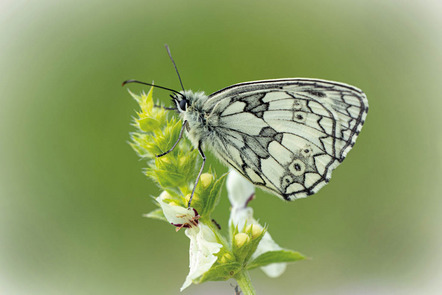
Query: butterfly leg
[(178, 140), (199, 174)]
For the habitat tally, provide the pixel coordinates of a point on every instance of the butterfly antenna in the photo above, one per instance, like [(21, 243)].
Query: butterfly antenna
[(176, 69), (144, 83)]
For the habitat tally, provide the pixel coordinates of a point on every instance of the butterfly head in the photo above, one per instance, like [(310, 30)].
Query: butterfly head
[(188, 100), (181, 101)]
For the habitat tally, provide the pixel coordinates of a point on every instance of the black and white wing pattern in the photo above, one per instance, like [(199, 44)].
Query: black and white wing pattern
[(286, 135)]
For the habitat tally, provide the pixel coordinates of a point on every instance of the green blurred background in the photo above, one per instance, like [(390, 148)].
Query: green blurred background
[(72, 193)]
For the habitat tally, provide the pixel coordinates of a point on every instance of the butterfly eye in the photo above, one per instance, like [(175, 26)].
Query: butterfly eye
[(183, 104)]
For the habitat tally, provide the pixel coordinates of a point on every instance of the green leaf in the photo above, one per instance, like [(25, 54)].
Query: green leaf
[(220, 272), (275, 257), (213, 198), (157, 214)]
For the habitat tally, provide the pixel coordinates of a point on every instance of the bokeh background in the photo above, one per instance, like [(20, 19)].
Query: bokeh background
[(72, 193)]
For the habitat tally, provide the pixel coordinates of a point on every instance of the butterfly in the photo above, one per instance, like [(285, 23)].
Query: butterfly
[(284, 135)]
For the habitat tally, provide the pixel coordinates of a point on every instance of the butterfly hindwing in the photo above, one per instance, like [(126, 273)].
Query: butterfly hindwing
[(286, 135)]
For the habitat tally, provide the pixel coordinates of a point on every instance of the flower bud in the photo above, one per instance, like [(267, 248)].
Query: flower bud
[(195, 199), (226, 258), (163, 160), (255, 230), (241, 239), (206, 179), (183, 160), (165, 196)]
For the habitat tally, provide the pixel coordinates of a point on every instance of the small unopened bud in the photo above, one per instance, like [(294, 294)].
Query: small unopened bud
[(206, 179), (227, 257), (183, 160), (255, 229), (163, 160), (195, 199), (165, 196), (241, 239)]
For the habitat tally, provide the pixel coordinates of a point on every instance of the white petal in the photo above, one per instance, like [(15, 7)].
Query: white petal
[(274, 270), (240, 216), (175, 214), (239, 189), (203, 245), (267, 244)]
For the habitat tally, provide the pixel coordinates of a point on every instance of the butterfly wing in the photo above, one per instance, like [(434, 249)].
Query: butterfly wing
[(286, 135)]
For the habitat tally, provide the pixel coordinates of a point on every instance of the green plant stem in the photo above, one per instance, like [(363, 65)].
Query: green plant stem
[(244, 282)]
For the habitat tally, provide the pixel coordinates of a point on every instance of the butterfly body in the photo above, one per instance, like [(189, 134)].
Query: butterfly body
[(285, 135), (198, 122)]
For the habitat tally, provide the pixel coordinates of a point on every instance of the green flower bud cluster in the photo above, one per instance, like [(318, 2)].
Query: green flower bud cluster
[(156, 133), (245, 242), (240, 249), (175, 172)]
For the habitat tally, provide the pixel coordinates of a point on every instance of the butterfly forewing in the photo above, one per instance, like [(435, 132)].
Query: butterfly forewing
[(286, 135)]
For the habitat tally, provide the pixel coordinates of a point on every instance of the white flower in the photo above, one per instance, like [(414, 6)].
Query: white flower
[(267, 244), (203, 243), (241, 192), (177, 215)]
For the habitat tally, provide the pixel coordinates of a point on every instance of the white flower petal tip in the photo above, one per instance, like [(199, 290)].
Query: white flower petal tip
[(274, 270), (203, 246), (177, 215), (240, 190), (265, 245)]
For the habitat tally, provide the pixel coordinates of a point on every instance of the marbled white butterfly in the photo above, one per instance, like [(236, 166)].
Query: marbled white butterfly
[(284, 135)]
